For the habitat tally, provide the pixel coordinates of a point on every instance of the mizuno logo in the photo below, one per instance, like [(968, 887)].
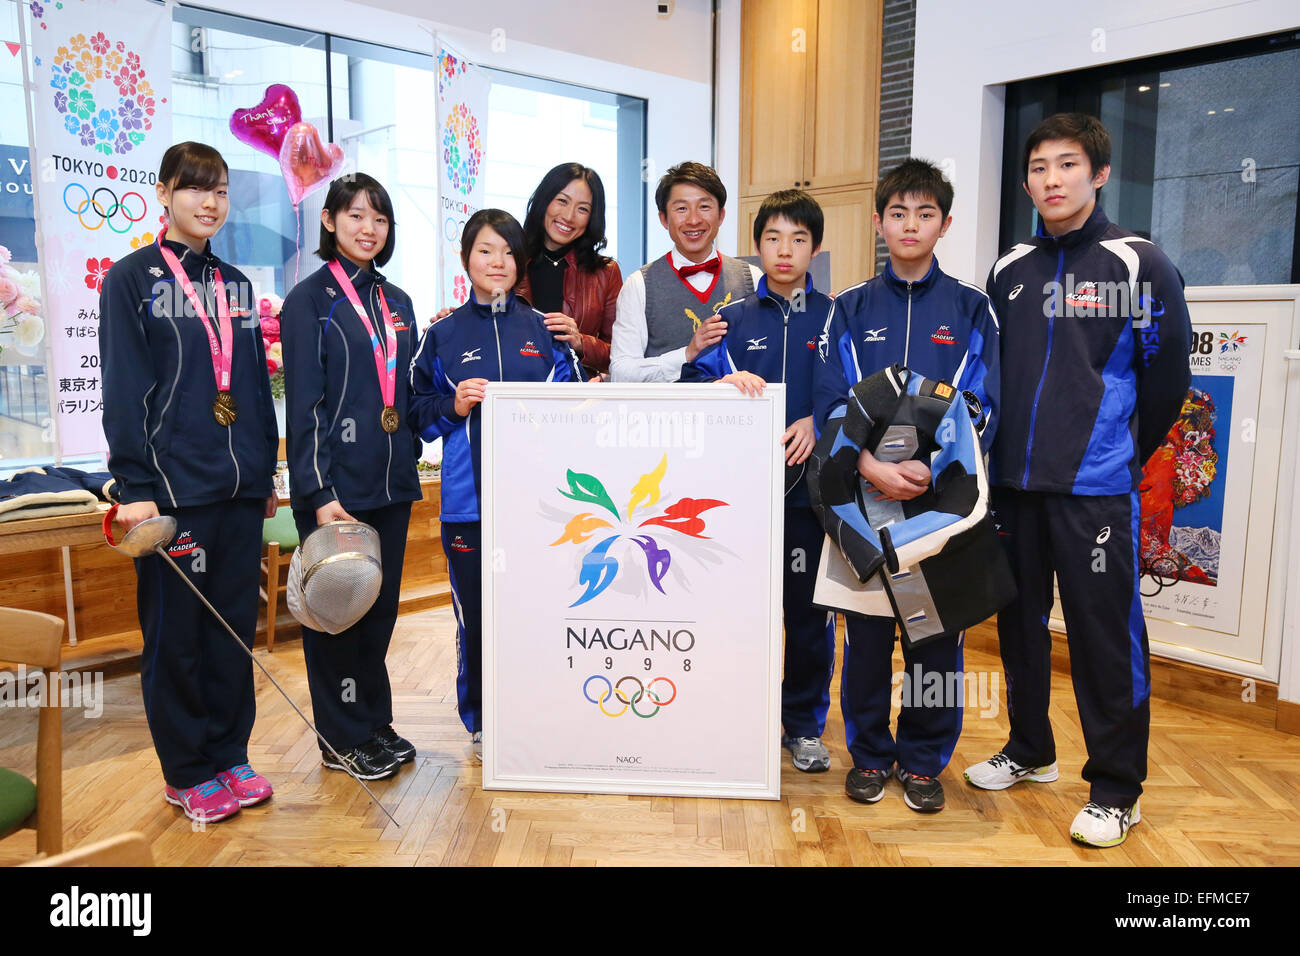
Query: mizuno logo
[(471, 356), (1016, 291), (155, 272), (875, 335), (756, 343), (330, 292)]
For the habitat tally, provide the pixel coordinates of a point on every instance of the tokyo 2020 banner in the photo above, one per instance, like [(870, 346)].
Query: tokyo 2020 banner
[(102, 120), (632, 545), (462, 110)]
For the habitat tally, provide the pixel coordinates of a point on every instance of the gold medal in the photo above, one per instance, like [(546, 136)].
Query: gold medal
[(224, 410), (388, 419)]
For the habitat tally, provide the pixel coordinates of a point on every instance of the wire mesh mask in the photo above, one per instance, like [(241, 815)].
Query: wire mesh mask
[(335, 576)]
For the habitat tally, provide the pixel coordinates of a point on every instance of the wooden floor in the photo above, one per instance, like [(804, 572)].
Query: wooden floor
[(1222, 790)]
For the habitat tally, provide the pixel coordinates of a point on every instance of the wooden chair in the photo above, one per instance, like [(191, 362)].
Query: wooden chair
[(279, 538), (36, 640), (126, 849)]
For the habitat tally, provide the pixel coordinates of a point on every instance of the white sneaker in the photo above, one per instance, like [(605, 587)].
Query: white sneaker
[(476, 739), (1000, 772), (1098, 825)]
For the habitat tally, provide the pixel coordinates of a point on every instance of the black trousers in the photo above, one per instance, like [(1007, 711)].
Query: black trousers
[(1091, 543), (197, 684), (350, 693), (462, 544), (809, 631)]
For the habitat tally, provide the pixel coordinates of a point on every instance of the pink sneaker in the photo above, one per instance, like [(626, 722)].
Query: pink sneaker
[(206, 803), (248, 786)]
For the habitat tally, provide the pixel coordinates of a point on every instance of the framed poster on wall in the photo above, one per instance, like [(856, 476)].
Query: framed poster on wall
[(632, 542), (1212, 569)]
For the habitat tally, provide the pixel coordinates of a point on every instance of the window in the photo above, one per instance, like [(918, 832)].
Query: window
[(378, 104), (1204, 155)]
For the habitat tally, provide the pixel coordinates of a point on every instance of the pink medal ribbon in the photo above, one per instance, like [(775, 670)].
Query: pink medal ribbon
[(223, 409), (385, 369)]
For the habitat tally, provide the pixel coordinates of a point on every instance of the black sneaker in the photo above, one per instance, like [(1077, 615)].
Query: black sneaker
[(399, 747), (370, 761), (865, 786), (923, 794)]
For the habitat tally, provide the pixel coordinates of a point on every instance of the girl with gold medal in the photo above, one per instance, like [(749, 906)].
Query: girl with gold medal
[(348, 337), (191, 433)]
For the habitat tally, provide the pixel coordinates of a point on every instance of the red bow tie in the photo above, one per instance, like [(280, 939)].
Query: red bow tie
[(713, 265)]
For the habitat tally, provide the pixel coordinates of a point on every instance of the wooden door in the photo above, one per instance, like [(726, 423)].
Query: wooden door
[(845, 105), (778, 45)]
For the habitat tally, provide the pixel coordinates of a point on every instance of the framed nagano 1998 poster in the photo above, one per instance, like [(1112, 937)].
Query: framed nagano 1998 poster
[(632, 542)]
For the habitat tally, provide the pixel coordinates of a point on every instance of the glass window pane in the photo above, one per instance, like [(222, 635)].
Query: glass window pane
[(26, 435), (220, 64), (385, 122)]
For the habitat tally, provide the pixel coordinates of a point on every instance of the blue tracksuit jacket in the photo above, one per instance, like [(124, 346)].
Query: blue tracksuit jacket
[(513, 345), (938, 326), (336, 446), (1095, 332), (164, 444), (766, 335)]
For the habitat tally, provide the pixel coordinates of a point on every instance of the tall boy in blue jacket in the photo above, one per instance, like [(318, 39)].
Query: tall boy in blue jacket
[(917, 316), (1096, 334), (771, 336)]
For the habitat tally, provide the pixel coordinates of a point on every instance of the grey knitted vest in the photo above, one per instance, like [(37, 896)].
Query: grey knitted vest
[(672, 309)]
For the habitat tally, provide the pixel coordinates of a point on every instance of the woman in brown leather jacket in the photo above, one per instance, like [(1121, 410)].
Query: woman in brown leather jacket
[(566, 276)]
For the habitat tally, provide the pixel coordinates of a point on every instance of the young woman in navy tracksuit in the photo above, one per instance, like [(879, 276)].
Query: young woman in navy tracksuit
[(348, 338), (191, 433), (492, 337)]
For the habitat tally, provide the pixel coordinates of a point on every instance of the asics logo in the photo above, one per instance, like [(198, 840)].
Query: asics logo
[(1104, 535), (471, 356), (1015, 292), (756, 344)]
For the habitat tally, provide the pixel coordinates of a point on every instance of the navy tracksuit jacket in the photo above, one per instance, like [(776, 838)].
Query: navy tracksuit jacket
[(165, 446), (947, 330), (777, 340), (1095, 336), (338, 451), (510, 345)]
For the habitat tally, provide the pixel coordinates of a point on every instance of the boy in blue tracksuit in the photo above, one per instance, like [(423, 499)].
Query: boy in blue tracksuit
[(492, 337), (771, 336), (917, 316), (1097, 324)]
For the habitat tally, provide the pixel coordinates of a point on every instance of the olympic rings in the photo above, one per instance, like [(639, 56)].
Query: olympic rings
[(642, 690), (92, 202)]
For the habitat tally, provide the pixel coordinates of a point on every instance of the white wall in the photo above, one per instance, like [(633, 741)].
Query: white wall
[(965, 52), (614, 45)]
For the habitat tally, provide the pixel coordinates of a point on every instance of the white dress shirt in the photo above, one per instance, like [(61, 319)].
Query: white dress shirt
[(627, 358)]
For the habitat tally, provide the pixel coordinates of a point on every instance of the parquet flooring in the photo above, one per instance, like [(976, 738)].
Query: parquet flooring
[(1222, 791)]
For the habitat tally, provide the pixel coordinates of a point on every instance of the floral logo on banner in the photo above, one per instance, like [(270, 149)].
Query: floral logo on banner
[(448, 67), (678, 525), (96, 269), (109, 120), (462, 148), (460, 289)]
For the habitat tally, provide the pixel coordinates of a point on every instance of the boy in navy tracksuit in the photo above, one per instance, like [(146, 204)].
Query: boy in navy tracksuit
[(492, 337), (178, 447), (917, 316), (771, 336), (1097, 324)]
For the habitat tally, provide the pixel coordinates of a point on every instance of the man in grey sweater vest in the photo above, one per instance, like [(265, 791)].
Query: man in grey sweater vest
[(667, 309)]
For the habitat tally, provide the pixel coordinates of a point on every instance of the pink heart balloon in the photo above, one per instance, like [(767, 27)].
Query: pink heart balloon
[(264, 126), (306, 164)]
